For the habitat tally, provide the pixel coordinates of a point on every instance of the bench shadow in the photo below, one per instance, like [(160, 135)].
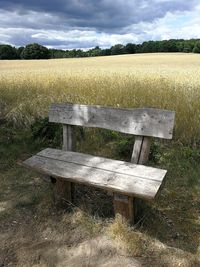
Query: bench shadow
[(94, 201), (152, 220)]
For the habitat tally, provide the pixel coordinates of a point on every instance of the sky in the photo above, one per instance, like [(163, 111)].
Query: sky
[(69, 24)]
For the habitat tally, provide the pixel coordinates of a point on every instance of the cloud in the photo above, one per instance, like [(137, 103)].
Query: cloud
[(178, 25), (99, 14), (87, 23), (64, 39)]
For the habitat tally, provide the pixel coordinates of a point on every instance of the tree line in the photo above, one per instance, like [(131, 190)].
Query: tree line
[(36, 51)]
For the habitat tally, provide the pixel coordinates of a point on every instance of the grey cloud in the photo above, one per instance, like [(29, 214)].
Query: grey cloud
[(104, 22), (22, 37), (103, 15)]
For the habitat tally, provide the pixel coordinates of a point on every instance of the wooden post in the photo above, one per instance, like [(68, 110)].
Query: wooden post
[(63, 189), (141, 150), (62, 192), (69, 138), (128, 207), (140, 155), (123, 205)]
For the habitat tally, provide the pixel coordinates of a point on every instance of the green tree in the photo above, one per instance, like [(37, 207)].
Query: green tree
[(196, 49), (130, 48), (35, 51), (180, 45), (117, 49), (8, 52), (172, 45), (95, 52), (106, 52), (138, 48), (150, 47), (19, 52), (187, 48)]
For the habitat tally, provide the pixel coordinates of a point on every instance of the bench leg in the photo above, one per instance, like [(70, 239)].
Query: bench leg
[(124, 206), (62, 192), (139, 208)]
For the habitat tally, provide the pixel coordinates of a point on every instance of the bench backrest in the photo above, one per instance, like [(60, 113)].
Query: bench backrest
[(141, 121)]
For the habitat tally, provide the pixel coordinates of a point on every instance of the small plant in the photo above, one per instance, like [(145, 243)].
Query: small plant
[(125, 147), (46, 131), (88, 224)]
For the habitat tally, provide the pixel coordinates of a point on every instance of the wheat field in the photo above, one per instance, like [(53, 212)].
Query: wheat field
[(169, 81)]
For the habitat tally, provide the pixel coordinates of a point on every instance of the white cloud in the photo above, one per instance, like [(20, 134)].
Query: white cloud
[(178, 25)]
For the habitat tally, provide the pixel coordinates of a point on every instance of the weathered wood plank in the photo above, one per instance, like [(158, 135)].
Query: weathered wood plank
[(137, 149), (123, 183), (145, 149), (141, 121), (140, 156), (141, 150), (116, 166), (62, 192), (69, 138), (124, 205)]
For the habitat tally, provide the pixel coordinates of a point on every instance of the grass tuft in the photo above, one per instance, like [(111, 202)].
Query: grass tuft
[(127, 238), (90, 225)]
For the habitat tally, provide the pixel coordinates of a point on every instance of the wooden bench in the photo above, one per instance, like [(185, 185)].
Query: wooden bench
[(127, 181)]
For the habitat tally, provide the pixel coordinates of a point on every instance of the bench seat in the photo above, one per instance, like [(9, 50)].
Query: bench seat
[(114, 175)]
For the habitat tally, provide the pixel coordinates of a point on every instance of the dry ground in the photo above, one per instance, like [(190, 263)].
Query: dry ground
[(33, 232)]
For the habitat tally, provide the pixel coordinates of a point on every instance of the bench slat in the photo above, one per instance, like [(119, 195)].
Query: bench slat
[(141, 121), (105, 164), (98, 173)]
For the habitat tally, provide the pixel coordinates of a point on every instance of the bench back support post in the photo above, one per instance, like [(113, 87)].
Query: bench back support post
[(128, 207), (141, 150), (63, 190), (69, 138)]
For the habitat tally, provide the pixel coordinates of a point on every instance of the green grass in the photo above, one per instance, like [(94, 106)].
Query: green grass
[(170, 226)]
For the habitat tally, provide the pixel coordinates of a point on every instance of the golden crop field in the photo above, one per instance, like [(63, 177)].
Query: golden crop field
[(169, 81)]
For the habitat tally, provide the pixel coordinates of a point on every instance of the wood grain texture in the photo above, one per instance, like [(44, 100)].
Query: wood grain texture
[(106, 164), (133, 206), (142, 121), (64, 189), (141, 150), (137, 149), (124, 206), (62, 192), (140, 155), (69, 138), (145, 150), (91, 174)]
